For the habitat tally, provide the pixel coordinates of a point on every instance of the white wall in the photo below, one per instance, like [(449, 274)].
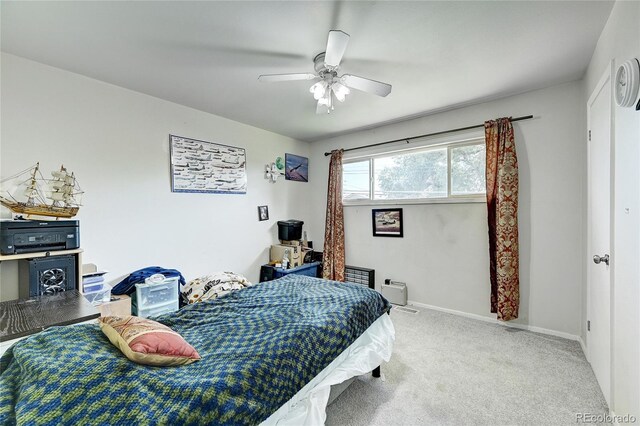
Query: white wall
[(620, 41), (117, 142), (444, 254)]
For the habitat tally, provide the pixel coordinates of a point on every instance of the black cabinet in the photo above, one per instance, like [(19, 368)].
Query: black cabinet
[(358, 275)]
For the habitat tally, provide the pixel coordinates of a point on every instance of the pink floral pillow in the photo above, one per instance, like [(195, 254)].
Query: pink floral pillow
[(148, 342)]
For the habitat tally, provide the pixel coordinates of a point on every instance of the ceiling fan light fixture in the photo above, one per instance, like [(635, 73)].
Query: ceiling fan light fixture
[(325, 100), (319, 89), (340, 90), (329, 84)]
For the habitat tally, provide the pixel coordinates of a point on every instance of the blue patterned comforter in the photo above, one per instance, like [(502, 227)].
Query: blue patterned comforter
[(259, 347)]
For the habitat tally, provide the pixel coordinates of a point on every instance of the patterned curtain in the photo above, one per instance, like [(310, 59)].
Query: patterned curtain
[(502, 206), (333, 256)]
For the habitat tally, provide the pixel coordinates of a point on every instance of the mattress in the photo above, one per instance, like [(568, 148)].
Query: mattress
[(308, 406)]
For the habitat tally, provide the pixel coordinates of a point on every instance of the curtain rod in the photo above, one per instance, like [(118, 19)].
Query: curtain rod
[(525, 117)]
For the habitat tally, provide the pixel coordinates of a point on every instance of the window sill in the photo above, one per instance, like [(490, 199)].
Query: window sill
[(456, 200)]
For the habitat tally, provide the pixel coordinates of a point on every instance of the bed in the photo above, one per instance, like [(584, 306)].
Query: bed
[(270, 354)]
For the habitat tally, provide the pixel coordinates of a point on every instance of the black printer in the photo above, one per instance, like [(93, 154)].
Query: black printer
[(29, 236)]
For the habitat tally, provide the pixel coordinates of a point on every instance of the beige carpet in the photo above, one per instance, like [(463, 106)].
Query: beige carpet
[(447, 369)]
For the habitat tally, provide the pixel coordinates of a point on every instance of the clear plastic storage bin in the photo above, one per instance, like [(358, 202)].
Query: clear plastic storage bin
[(101, 295), (91, 288), (155, 298)]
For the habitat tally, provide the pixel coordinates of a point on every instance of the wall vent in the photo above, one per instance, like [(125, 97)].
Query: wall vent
[(405, 309)]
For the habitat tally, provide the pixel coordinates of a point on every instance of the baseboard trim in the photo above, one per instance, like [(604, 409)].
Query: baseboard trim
[(583, 345), (503, 323)]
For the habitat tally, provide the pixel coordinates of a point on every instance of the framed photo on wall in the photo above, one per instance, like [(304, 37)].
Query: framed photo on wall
[(296, 168), (263, 213), (387, 222)]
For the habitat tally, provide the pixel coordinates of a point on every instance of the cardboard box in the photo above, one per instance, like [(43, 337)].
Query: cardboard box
[(294, 243), (295, 254), (119, 306)]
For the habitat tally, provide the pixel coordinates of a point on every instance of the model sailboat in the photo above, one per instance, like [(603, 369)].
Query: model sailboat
[(63, 193)]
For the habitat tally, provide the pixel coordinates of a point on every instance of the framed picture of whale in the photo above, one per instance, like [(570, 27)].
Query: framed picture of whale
[(207, 167), (296, 168)]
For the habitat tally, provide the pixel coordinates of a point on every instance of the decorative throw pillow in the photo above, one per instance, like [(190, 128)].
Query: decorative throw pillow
[(212, 286), (148, 342)]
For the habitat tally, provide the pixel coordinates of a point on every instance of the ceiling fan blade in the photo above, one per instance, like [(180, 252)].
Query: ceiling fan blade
[(366, 85), (272, 78), (336, 46)]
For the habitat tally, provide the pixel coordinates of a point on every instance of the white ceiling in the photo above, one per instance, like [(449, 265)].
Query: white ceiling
[(208, 55)]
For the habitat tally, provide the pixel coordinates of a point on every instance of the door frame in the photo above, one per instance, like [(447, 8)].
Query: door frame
[(607, 78)]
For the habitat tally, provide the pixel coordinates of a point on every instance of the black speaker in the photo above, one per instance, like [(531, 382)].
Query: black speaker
[(46, 275)]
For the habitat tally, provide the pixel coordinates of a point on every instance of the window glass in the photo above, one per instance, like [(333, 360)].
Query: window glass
[(420, 174), (355, 180), (415, 175), (468, 170)]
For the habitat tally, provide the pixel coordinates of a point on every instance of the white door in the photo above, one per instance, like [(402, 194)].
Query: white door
[(599, 233)]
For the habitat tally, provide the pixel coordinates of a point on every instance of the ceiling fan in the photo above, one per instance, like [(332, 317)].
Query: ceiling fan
[(330, 86)]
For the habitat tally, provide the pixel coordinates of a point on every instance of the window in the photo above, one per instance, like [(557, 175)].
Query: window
[(355, 181), (445, 172), (468, 169)]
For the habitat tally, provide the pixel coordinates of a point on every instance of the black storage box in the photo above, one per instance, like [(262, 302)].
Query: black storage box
[(289, 230)]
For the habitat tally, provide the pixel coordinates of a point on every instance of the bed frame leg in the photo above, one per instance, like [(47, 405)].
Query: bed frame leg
[(376, 372)]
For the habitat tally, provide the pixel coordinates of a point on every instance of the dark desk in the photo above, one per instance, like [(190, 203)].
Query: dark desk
[(19, 318)]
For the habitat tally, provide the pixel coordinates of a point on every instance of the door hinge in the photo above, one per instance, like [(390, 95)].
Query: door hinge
[(588, 325), (589, 135)]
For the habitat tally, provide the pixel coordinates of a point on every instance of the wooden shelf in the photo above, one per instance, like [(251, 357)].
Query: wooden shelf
[(40, 254), (37, 254)]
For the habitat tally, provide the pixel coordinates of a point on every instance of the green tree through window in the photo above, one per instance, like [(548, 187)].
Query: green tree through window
[(418, 174), (468, 170)]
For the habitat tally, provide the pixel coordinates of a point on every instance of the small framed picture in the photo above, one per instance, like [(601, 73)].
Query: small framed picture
[(263, 213), (387, 222)]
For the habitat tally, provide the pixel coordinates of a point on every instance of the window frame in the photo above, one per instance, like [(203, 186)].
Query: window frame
[(449, 199)]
